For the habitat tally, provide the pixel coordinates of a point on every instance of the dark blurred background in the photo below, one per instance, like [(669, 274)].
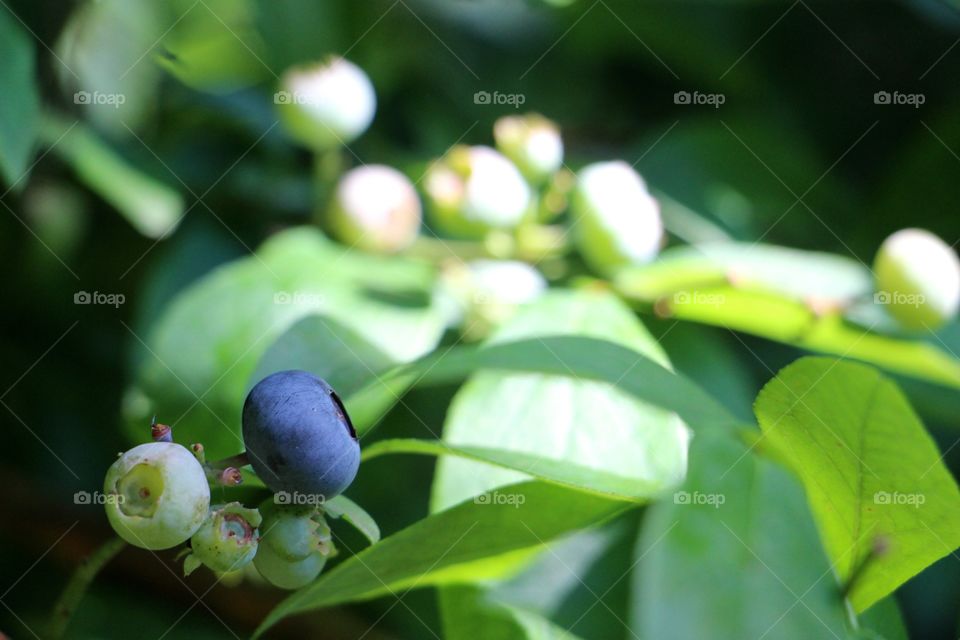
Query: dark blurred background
[(798, 154)]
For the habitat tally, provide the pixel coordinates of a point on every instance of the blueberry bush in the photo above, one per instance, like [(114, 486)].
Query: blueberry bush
[(487, 320)]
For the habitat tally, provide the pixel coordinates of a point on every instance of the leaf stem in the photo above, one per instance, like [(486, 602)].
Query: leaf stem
[(82, 577)]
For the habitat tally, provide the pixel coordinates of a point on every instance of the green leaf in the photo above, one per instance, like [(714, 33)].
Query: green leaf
[(19, 108), (150, 206), (214, 46), (327, 348), (104, 63), (794, 273), (735, 554), (200, 355), (883, 621), (579, 357), (567, 420), (592, 480), (474, 616), (445, 547), (784, 319), (871, 472), (344, 507)]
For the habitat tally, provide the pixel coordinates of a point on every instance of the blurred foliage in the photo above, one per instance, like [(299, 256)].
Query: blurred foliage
[(141, 156)]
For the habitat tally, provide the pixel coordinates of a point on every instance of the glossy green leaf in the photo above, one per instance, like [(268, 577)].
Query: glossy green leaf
[(445, 547), (592, 480), (873, 475), (470, 614), (735, 554), (566, 419), (152, 207), (781, 318), (798, 274), (583, 358), (345, 508), (200, 355), (19, 108)]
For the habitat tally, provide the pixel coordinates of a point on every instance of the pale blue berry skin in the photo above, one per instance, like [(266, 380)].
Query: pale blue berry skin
[(298, 436)]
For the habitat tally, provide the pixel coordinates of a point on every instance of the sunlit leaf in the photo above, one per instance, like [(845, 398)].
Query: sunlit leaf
[(885, 504), (735, 554), (783, 319), (574, 476), (562, 418), (444, 548), (345, 508), (200, 355)]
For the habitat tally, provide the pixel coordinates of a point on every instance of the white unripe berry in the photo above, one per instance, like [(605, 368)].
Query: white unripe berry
[(376, 208), (617, 221), (918, 279), (327, 104)]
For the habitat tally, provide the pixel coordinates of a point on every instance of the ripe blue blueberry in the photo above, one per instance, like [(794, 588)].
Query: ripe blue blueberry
[(298, 436)]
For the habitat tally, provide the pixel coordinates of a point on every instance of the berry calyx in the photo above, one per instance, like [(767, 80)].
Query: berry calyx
[(162, 495), (226, 541)]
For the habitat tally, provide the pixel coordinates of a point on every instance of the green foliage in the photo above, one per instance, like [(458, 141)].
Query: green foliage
[(20, 108), (571, 455), (582, 423), (884, 502), (201, 353), (735, 554), (477, 538)]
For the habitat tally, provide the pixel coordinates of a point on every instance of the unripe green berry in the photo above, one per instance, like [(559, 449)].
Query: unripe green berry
[(918, 279), (287, 574), (162, 495), (475, 190), (326, 104), (295, 545), (376, 208), (532, 142), (489, 292), (617, 221), (227, 540)]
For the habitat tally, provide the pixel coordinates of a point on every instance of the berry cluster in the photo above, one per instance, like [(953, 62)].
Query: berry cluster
[(299, 441)]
